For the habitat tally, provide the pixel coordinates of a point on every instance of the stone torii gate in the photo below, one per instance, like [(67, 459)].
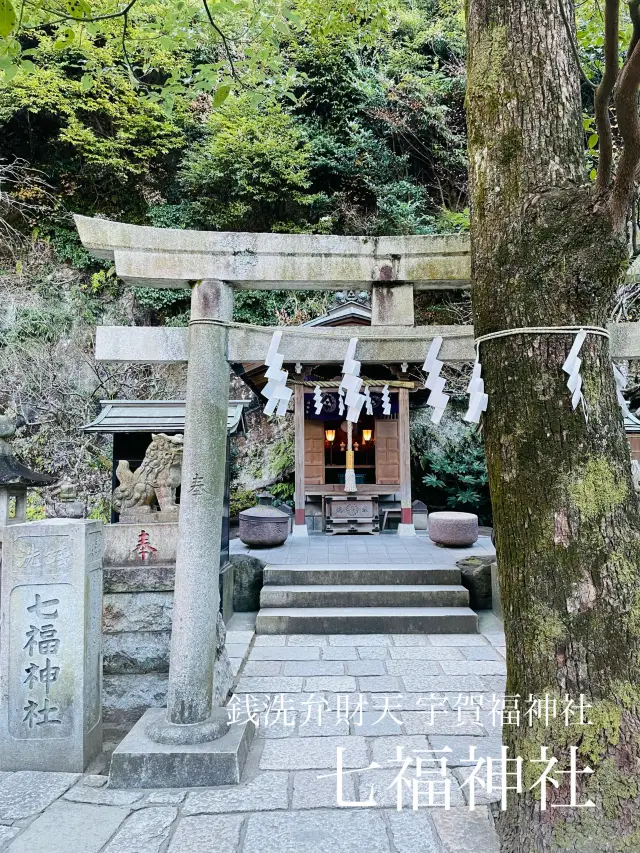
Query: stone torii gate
[(214, 264)]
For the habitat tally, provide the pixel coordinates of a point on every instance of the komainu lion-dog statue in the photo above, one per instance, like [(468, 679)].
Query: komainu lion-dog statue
[(155, 481)]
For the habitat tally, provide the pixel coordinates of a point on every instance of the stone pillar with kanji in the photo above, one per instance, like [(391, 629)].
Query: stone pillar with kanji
[(51, 645)]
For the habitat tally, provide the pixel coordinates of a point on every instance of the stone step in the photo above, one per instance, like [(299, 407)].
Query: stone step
[(364, 595), (338, 573), (367, 620)]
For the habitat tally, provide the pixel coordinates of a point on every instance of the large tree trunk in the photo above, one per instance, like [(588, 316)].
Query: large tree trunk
[(547, 252)]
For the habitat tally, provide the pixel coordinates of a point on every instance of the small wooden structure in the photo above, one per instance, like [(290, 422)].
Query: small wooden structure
[(381, 442)]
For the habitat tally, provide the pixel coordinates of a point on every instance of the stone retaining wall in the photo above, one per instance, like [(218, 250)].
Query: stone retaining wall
[(137, 614)]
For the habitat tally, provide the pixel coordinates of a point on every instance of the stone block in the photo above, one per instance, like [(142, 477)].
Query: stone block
[(420, 653), (306, 640), (475, 574), (409, 640), (324, 831), (264, 667), (103, 796), (166, 798), (139, 762), (325, 724), (137, 611), (248, 578), (136, 652), (463, 831), (310, 753), (379, 684), (127, 696), (413, 832), (70, 828), (462, 748), (262, 652), (196, 834), (265, 792), (478, 653), (366, 667), (144, 831), (413, 667), (7, 833), (139, 578), (140, 544), (456, 640), (313, 790), (332, 683), (440, 683), (453, 529), (24, 794), (474, 667), (51, 645), (269, 684), (384, 750), (376, 724), (313, 667), (359, 640), (335, 653), (392, 305), (374, 652)]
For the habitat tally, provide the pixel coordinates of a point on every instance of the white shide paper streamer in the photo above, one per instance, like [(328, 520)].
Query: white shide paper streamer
[(276, 391), (434, 382)]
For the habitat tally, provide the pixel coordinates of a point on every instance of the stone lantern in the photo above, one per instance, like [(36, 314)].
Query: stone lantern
[(15, 478)]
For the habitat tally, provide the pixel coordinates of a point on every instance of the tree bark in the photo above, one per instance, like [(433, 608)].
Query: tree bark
[(546, 251)]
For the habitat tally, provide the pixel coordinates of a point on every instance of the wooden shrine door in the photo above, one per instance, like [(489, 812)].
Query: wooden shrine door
[(314, 453), (387, 452)]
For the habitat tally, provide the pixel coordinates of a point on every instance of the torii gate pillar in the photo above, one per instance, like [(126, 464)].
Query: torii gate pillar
[(191, 743)]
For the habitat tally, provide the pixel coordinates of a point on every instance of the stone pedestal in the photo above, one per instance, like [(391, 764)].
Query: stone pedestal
[(140, 762), (51, 646)]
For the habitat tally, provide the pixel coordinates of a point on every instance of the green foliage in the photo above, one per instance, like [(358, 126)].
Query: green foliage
[(456, 477), (348, 118), (160, 305), (99, 143), (36, 510), (249, 171), (282, 457), (240, 499), (101, 511), (46, 324), (282, 492)]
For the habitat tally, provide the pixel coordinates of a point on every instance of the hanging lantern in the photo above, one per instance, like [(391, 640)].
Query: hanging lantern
[(366, 435)]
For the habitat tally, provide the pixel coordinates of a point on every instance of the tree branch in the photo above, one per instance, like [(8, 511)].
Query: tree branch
[(634, 13), (91, 19), (124, 14), (626, 100), (605, 91), (574, 46), (224, 40)]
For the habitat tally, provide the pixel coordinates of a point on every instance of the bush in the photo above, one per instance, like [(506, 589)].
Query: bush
[(456, 478), (240, 499)]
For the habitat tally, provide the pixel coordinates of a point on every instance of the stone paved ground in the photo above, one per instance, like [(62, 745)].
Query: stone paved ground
[(385, 548), (287, 800)]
